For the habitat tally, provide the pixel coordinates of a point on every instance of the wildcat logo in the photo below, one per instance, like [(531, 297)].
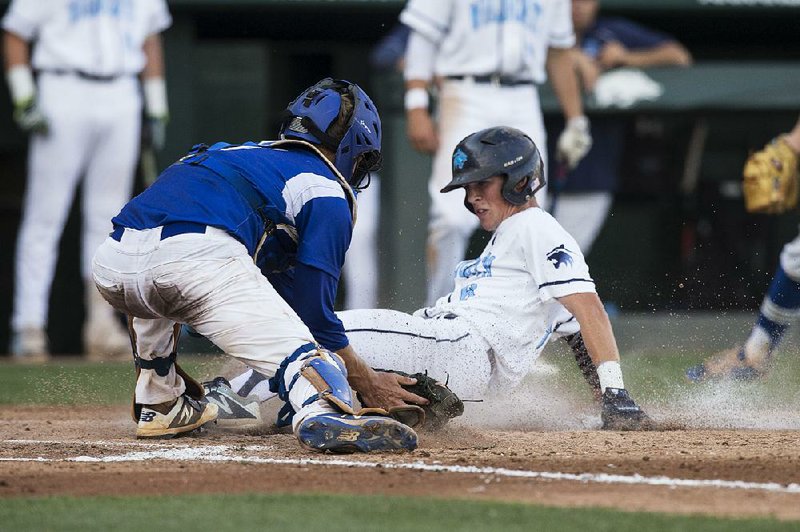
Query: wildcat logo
[(560, 255), (459, 159), (468, 291)]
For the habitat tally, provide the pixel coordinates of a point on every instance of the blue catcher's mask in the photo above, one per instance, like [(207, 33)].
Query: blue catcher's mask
[(311, 114)]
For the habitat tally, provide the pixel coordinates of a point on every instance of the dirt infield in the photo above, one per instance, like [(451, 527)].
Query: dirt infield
[(91, 451)]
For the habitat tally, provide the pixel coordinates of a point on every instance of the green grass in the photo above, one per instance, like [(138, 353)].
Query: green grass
[(334, 513), (68, 382)]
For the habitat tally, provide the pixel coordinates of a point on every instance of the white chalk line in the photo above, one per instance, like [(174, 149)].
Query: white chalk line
[(223, 453)]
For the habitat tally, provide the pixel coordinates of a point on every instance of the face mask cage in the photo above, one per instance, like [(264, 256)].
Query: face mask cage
[(367, 162)]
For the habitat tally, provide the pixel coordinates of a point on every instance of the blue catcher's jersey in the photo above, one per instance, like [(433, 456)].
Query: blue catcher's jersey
[(296, 190)]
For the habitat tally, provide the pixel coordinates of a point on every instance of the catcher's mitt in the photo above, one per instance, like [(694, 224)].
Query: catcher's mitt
[(444, 405), (771, 179)]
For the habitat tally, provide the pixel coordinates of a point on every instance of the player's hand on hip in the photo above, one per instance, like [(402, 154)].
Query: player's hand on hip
[(384, 390), (574, 142), (422, 131), (30, 118)]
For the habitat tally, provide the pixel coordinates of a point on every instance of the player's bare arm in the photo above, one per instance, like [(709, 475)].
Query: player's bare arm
[(588, 70), (419, 74), (793, 137), (615, 54), (564, 79), (595, 326), (377, 388), (576, 139), (16, 50)]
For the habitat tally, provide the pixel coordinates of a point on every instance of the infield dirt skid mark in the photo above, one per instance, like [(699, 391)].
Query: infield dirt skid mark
[(244, 454)]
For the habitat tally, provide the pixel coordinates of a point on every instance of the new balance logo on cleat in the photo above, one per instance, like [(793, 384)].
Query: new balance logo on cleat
[(185, 416), (235, 411), (343, 433)]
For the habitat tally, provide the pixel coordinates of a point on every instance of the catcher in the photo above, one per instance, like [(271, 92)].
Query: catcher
[(529, 286), (770, 186)]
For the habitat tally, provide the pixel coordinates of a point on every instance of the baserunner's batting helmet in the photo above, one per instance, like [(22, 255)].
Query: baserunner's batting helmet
[(311, 114), (499, 151)]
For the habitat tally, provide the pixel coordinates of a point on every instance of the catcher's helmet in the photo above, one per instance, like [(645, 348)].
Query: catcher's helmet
[(311, 114), (499, 151)]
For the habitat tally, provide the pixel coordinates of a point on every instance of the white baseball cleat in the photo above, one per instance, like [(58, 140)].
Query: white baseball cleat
[(186, 415), (235, 411), (29, 345)]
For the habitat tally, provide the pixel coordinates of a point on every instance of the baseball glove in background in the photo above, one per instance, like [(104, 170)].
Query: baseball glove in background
[(771, 179), (444, 405)]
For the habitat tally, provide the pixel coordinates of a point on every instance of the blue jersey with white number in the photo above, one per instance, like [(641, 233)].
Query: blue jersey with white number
[(300, 194)]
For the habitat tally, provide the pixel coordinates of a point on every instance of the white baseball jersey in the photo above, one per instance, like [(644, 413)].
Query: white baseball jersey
[(97, 37), (508, 294), (508, 37)]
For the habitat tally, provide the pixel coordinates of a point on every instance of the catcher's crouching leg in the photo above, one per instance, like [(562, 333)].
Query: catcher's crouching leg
[(319, 405)]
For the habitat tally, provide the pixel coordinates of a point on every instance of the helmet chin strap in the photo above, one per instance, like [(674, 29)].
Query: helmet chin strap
[(348, 190)]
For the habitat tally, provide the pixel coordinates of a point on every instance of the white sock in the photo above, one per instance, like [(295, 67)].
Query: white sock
[(260, 390), (610, 375), (756, 348)]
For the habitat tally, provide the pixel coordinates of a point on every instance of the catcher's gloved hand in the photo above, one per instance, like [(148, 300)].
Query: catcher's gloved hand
[(574, 142), (443, 403), (620, 412), (29, 117), (771, 179)]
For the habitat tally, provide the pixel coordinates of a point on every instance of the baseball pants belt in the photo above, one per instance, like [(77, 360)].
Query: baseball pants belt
[(167, 230), (84, 75), (494, 79)]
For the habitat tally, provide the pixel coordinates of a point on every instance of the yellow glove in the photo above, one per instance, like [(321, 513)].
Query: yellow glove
[(771, 179)]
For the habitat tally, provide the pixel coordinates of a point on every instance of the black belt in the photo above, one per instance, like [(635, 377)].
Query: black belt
[(494, 79), (168, 230), (85, 75)]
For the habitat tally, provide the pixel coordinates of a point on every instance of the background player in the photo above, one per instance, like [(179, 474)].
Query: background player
[(487, 58), (183, 251), (529, 286), (585, 192), (84, 113), (777, 163)]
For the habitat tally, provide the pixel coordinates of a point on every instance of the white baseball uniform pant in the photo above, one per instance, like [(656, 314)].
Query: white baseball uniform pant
[(94, 132), (361, 265), (464, 108), (448, 349), (583, 214), (206, 280)]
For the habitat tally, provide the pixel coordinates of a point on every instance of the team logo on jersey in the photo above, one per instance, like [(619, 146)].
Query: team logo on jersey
[(560, 255), (478, 268), (468, 291), (459, 159)]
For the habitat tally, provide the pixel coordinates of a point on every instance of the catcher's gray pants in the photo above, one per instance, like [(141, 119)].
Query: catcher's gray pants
[(448, 349), (207, 281)]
